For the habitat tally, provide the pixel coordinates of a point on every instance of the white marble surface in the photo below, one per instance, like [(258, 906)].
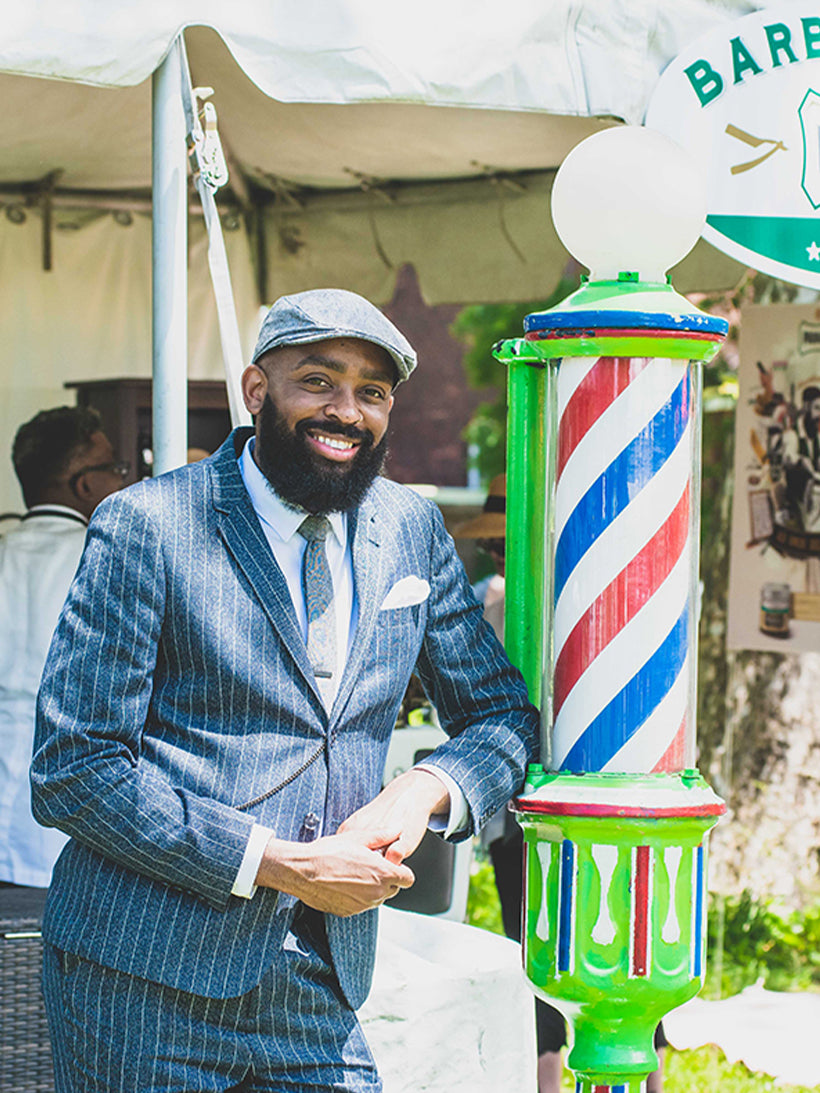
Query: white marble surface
[(771, 1032), (450, 1011)]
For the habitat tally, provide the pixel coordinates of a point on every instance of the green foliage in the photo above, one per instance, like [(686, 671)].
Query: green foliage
[(708, 1069), (486, 436), (479, 327), (483, 905), (761, 941)]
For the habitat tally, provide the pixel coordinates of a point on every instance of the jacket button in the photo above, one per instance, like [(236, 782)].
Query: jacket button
[(310, 825)]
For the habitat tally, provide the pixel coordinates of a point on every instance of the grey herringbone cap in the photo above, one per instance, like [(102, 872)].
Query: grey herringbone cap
[(332, 313)]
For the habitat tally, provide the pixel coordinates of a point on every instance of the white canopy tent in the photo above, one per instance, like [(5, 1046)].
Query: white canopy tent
[(360, 135)]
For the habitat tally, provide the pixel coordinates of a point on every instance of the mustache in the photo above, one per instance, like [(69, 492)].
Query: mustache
[(338, 428), (306, 481)]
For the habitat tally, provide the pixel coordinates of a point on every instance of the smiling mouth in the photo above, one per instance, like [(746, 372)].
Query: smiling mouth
[(333, 445)]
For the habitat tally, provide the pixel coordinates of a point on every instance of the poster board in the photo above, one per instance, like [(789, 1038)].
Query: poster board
[(774, 575)]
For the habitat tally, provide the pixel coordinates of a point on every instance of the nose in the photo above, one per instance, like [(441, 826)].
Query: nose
[(344, 406)]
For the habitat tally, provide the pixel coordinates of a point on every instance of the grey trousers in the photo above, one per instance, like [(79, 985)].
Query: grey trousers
[(293, 1033)]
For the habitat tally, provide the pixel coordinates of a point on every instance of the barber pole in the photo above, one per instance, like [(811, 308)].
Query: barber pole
[(602, 618), (623, 561)]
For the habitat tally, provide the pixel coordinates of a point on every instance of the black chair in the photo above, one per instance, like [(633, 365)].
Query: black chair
[(25, 1052)]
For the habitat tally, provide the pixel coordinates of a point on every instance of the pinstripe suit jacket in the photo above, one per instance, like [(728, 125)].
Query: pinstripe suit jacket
[(178, 689)]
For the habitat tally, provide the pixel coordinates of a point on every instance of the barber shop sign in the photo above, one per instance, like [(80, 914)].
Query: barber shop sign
[(745, 99)]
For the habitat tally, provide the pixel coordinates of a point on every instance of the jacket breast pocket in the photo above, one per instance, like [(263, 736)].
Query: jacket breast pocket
[(401, 616), (399, 632)]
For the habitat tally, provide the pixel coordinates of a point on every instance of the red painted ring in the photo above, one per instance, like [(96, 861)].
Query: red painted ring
[(565, 808), (621, 332)]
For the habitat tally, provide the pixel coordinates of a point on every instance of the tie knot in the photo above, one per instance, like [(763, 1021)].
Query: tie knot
[(315, 528)]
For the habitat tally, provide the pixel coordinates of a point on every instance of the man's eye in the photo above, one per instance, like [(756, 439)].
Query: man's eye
[(375, 393)]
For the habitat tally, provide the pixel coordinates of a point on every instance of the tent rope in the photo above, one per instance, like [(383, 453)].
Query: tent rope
[(210, 172)]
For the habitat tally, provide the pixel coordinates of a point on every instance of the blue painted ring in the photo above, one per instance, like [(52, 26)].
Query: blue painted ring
[(625, 320)]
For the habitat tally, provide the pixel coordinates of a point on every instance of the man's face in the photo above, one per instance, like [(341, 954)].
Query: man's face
[(322, 423)]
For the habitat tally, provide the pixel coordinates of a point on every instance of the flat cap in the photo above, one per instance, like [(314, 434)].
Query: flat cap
[(332, 313)]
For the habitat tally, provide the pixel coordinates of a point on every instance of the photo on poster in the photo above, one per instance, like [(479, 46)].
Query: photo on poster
[(774, 575)]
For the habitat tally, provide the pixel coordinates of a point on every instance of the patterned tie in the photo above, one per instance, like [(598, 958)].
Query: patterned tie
[(317, 587)]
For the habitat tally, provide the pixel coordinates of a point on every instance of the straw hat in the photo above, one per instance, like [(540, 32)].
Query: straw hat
[(490, 523)]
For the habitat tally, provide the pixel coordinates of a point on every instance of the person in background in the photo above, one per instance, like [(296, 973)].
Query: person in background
[(66, 466), (502, 836), (488, 529)]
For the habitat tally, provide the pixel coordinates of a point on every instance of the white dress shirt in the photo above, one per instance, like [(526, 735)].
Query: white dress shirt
[(280, 524), (38, 559)]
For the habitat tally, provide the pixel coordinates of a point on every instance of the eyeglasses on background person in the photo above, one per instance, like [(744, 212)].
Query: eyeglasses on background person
[(120, 467)]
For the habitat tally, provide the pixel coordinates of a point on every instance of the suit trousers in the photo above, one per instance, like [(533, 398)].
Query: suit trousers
[(292, 1033)]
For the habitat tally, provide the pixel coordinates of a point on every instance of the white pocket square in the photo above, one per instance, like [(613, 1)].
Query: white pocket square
[(406, 592)]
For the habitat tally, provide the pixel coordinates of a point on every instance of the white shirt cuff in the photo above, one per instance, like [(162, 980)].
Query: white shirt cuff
[(245, 883), (459, 811)]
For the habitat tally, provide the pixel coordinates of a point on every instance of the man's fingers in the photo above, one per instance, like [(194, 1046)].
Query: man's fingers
[(403, 847), (378, 840), (395, 853), (405, 879), (386, 842)]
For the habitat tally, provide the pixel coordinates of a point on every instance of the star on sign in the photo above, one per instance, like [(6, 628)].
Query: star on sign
[(813, 252)]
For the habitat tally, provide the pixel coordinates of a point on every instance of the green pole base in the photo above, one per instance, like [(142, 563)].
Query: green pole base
[(615, 909), (613, 1053), (584, 1085)]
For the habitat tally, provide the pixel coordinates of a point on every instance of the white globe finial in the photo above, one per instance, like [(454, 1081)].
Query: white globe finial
[(628, 200)]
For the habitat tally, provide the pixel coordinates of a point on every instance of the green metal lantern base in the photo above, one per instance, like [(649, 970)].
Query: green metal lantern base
[(587, 1085), (614, 906), (613, 1053)]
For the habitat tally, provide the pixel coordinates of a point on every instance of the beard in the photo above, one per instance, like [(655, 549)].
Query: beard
[(302, 478)]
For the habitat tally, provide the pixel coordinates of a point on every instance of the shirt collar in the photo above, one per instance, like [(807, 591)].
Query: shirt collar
[(47, 509), (272, 510)]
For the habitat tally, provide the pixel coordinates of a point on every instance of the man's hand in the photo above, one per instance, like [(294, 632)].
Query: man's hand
[(404, 806), (342, 874)]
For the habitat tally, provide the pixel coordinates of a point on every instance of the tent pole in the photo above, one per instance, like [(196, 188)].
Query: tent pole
[(169, 266)]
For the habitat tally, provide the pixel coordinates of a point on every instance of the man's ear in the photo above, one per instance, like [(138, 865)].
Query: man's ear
[(254, 388), (83, 495), (81, 488)]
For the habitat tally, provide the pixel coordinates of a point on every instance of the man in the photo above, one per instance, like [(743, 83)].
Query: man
[(65, 465), (214, 723)]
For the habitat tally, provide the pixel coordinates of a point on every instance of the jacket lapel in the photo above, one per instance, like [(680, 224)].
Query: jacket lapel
[(243, 536), (370, 579)]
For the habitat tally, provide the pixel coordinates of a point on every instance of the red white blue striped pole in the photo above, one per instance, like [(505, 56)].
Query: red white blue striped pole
[(623, 578)]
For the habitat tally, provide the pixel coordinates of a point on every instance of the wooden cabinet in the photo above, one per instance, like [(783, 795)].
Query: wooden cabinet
[(125, 407)]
